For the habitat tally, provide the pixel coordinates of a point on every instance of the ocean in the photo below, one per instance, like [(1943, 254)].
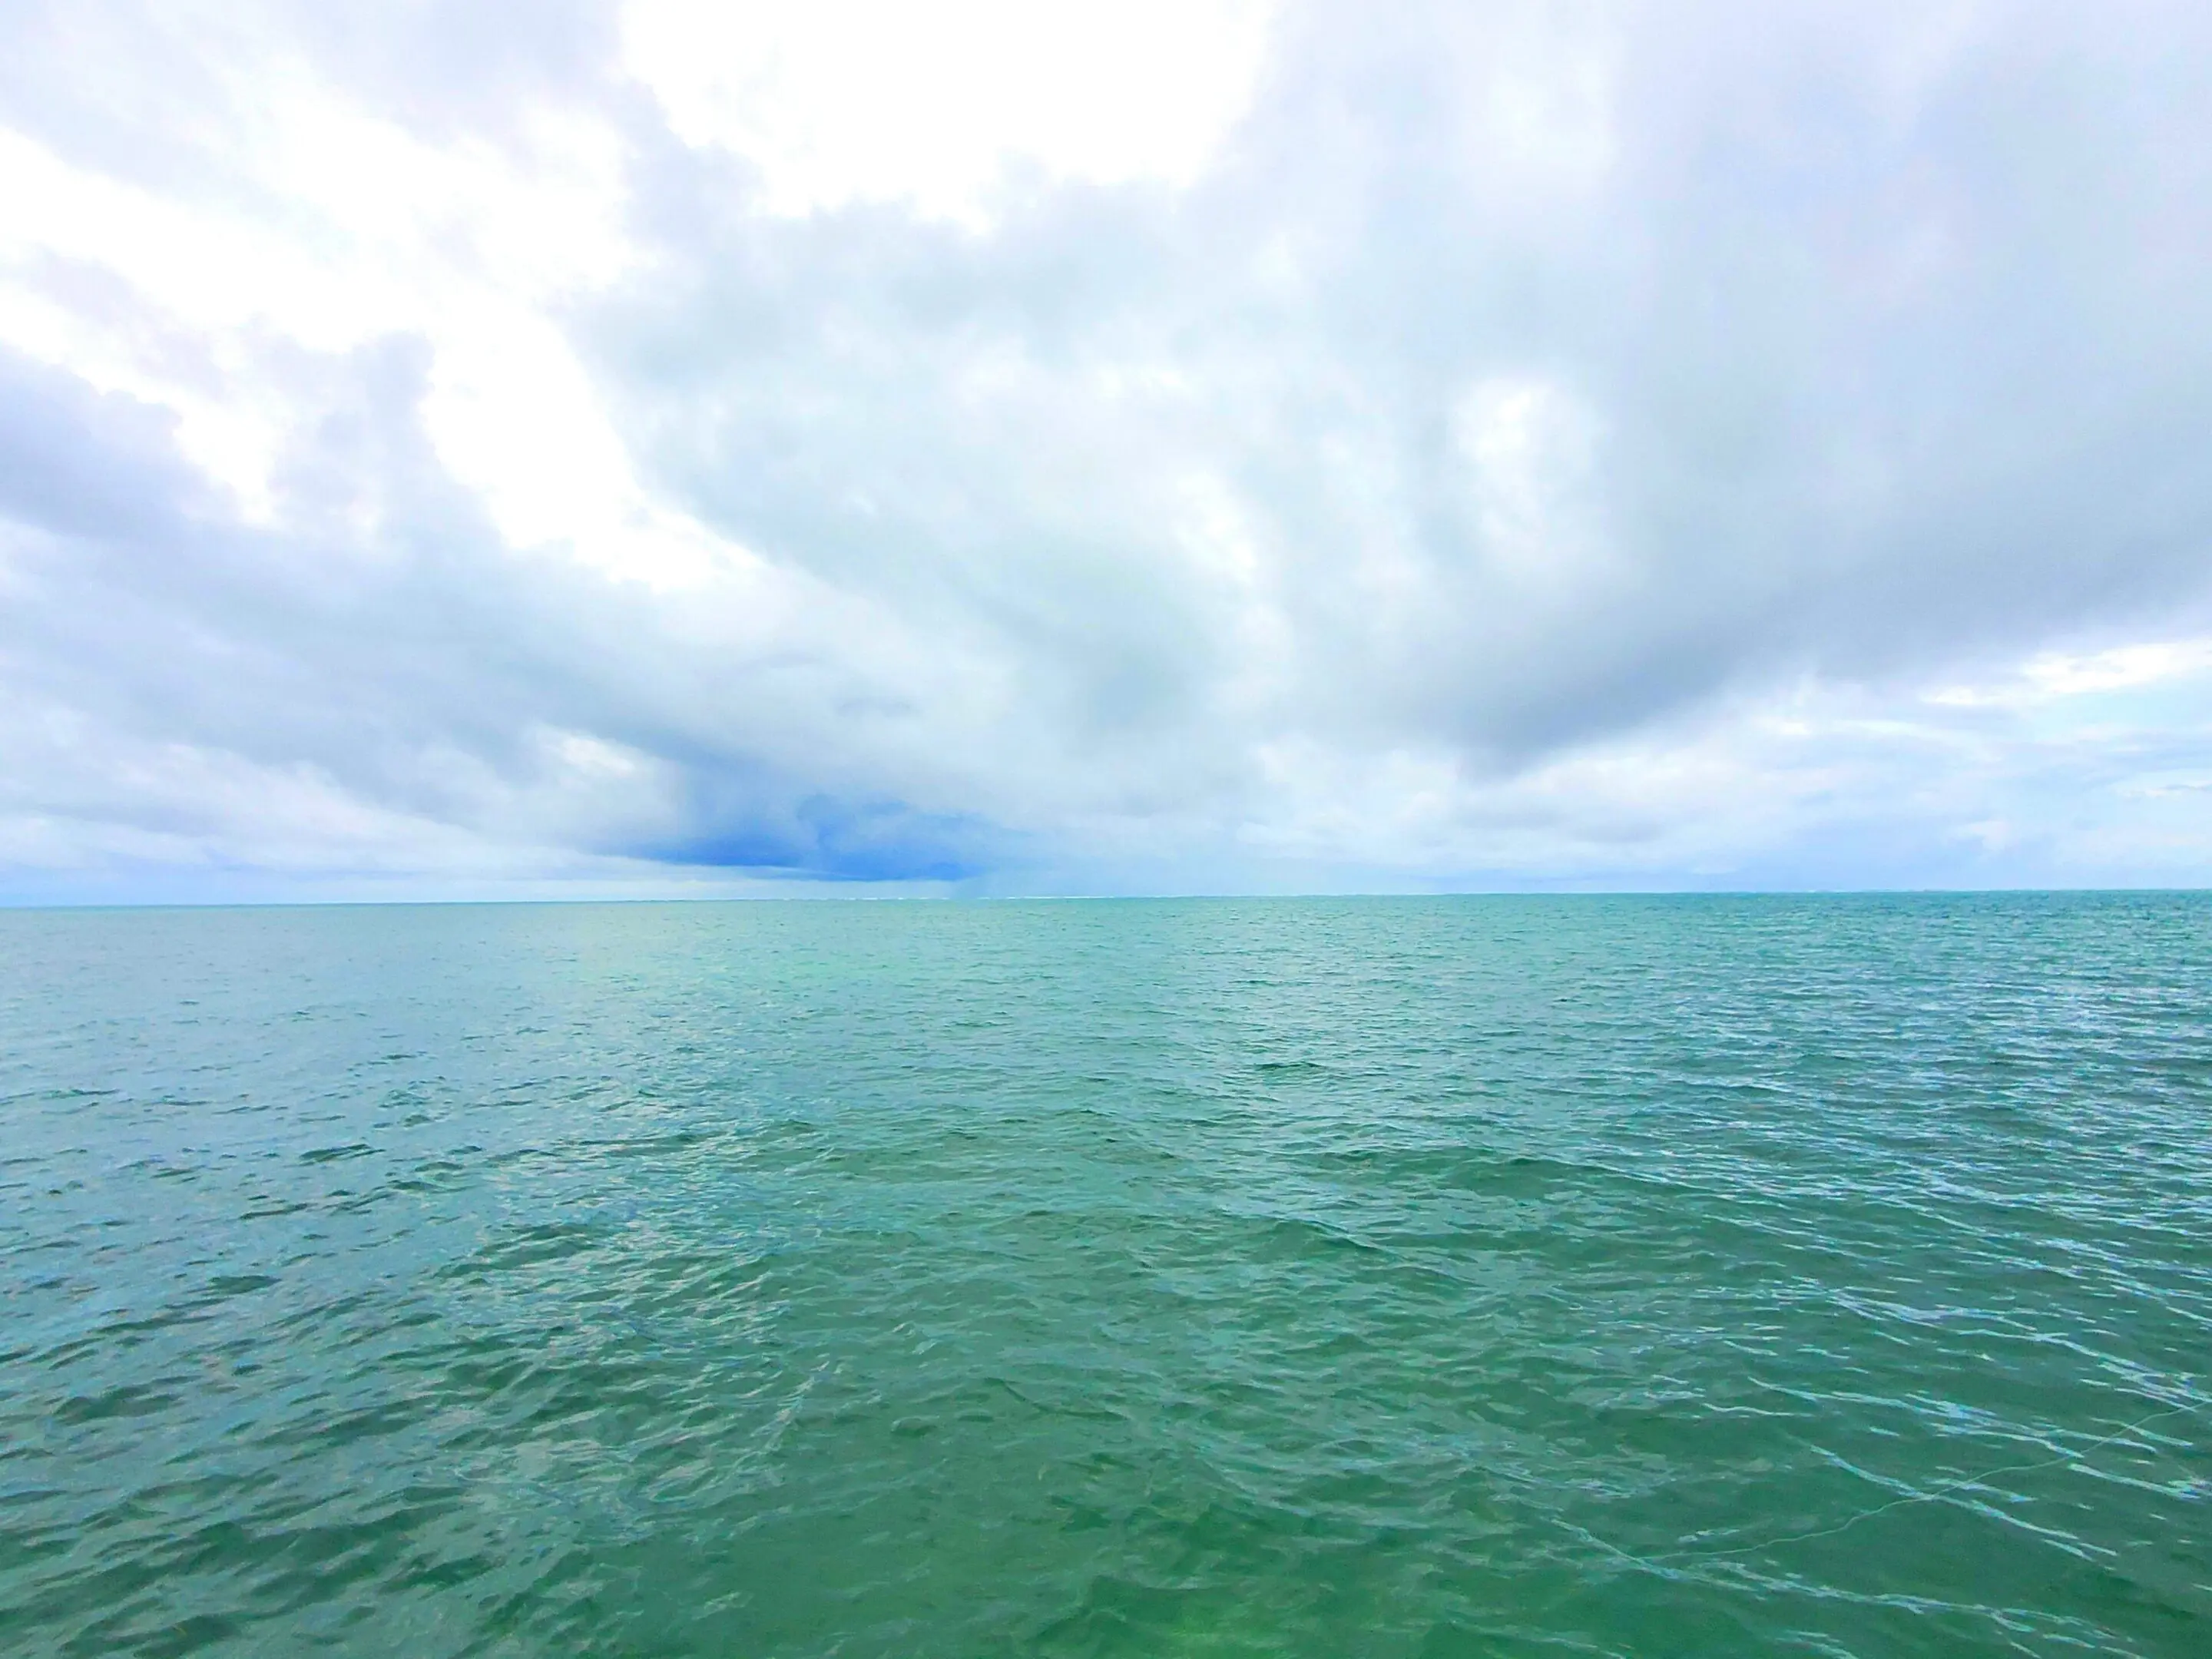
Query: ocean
[(1334, 1277)]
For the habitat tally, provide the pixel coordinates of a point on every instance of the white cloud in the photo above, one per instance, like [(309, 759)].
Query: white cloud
[(359, 228), (2054, 677), (838, 101), (1105, 445)]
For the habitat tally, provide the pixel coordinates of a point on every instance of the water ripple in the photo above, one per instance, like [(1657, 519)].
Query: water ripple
[(1414, 1278)]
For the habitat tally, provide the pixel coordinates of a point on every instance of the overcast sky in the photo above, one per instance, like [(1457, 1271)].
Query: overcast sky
[(999, 446)]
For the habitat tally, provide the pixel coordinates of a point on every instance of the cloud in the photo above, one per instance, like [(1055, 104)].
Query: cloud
[(944, 108), (1140, 448)]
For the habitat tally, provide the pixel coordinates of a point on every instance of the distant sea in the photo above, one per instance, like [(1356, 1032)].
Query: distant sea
[(1396, 1277)]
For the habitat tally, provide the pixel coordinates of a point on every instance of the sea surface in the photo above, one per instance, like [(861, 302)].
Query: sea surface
[(1392, 1277)]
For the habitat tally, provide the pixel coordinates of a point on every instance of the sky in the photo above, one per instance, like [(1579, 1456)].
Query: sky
[(635, 447)]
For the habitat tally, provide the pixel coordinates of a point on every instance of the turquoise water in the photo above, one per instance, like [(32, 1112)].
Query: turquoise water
[(1347, 1277)]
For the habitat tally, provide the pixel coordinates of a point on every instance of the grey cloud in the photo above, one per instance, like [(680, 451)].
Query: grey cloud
[(414, 666), (1864, 344), (1888, 361)]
